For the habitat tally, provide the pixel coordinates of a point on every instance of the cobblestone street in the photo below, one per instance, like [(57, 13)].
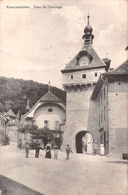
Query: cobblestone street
[(80, 175)]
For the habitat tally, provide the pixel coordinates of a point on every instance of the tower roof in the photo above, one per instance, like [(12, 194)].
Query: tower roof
[(50, 97), (95, 60)]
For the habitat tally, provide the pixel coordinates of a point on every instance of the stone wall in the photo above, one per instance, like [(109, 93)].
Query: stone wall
[(118, 117), (80, 115)]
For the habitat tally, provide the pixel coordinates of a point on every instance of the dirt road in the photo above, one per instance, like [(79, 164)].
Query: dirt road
[(80, 175)]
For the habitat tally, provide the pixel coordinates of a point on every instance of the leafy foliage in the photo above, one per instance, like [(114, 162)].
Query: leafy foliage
[(13, 90)]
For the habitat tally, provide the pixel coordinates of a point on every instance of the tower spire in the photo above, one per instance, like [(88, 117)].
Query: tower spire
[(88, 16), (88, 20), (49, 86), (88, 36)]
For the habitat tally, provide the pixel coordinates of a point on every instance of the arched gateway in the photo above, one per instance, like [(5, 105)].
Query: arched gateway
[(84, 142)]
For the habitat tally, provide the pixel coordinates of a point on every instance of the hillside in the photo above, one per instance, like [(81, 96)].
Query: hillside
[(12, 92)]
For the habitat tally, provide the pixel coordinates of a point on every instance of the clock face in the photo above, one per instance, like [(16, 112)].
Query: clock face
[(84, 61)]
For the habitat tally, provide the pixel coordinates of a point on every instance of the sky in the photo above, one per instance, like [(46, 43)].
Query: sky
[(37, 43)]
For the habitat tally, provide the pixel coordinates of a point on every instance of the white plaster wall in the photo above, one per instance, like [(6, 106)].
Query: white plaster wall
[(77, 76), (118, 105), (118, 117), (42, 114)]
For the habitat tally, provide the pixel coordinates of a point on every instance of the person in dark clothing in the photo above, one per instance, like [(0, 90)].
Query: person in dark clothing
[(27, 149), (95, 147), (48, 150), (37, 149), (68, 150)]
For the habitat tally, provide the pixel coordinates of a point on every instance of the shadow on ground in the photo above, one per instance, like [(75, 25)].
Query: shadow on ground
[(118, 162), (11, 187)]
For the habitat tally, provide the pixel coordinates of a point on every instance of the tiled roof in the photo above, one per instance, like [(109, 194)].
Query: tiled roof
[(97, 88), (122, 69), (10, 113), (49, 97), (95, 62)]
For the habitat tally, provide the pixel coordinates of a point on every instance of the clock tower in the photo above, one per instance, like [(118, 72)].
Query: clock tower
[(79, 78)]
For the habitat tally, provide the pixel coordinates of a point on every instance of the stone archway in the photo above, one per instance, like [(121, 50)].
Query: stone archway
[(84, 142)]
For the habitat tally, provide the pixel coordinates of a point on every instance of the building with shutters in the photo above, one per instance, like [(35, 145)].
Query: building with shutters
[(93, 94)]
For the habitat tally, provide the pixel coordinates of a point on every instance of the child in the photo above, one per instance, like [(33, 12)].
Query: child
[(27, 149), (55, 152)]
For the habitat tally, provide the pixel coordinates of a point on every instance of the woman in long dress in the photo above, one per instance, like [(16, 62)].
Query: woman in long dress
[(48, 149), (102, 151)]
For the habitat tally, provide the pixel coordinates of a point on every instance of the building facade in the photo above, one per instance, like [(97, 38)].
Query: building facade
[(48, 113), (97, 101), (79, 79), (111, 93)]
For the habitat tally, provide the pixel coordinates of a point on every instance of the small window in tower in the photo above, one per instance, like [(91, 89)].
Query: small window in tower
[(71, 76), (84, 76), (46, 124), (95, 74), (56, 125), (104, 93)]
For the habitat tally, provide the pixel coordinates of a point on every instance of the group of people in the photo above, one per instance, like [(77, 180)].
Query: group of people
[(102, 149), (48, 149), (37, 149)]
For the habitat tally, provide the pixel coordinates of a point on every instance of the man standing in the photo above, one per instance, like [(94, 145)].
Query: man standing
[(27, 149), (68, 151), (37, 149)]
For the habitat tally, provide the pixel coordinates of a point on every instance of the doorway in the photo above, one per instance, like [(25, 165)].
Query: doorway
[(84, 142)]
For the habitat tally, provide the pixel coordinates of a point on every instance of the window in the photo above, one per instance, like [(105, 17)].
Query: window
[(56, 125), (83, 76), (104, 93), (50, 110), (71, 76), (95, 74), (104, 113), (101, 98), (101, 116), (46, 124), (105, 139)]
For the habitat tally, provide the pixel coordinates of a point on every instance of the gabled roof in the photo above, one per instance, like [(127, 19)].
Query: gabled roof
[(49, 97), (10, 113), (122, 69), (96, 61)]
